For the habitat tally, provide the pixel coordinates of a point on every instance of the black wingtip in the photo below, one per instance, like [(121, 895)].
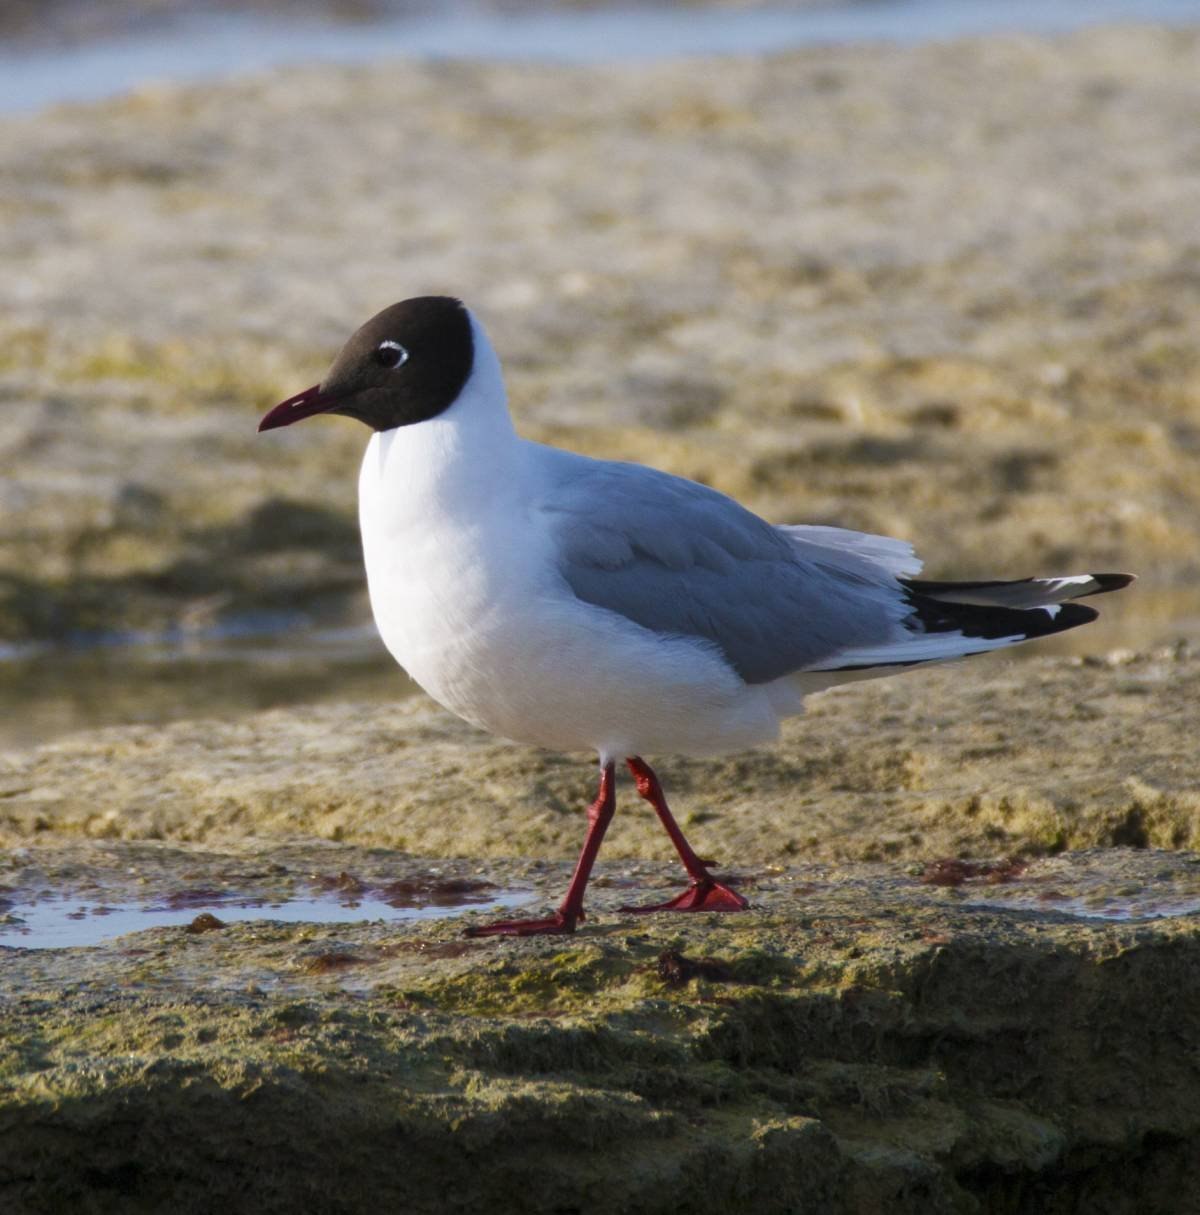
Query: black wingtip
[(1069, 616), (1112, 582), (995, 623), (1045, 621)]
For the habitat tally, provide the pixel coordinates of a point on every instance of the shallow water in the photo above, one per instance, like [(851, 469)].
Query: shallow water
[(210, 45), (59, 922), (51, 691)]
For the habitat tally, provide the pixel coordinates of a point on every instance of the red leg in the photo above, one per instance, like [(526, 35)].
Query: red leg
[(570, 911), (705, 893)]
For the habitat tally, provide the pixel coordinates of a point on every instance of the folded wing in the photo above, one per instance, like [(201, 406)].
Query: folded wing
[(681, 559)]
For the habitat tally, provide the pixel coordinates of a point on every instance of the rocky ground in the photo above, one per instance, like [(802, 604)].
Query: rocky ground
[(993, 758), (967, 982), (853, 1045), (949, 293)]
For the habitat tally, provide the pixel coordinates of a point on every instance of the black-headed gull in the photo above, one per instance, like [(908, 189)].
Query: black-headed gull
[(587, 604)]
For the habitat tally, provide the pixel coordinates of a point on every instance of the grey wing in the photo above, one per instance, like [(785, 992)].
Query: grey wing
[(682, 559)]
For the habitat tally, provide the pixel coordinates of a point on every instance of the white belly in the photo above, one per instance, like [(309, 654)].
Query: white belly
[(472, 608)]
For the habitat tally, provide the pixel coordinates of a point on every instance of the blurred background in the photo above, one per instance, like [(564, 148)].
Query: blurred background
[(924, 267)]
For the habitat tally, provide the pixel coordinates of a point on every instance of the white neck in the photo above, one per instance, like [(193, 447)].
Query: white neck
[(454, 462)]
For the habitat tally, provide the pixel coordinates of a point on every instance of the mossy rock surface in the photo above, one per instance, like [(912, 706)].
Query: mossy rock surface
[(968, 981), (862, 1044)]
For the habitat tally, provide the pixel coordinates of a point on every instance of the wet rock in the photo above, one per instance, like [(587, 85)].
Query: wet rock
[(859, 1041), (935, 1003)]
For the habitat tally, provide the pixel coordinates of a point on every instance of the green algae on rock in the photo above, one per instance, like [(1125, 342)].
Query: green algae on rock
[(863, 1039), (863, 1046)]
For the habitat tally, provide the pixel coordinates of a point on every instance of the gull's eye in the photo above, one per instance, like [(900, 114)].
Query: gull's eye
[(389, 354)]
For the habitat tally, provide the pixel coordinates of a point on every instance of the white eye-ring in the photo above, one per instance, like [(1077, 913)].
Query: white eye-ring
[(390, 354)]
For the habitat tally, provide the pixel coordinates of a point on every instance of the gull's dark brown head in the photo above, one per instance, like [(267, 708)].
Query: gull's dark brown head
[(405, 365)]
